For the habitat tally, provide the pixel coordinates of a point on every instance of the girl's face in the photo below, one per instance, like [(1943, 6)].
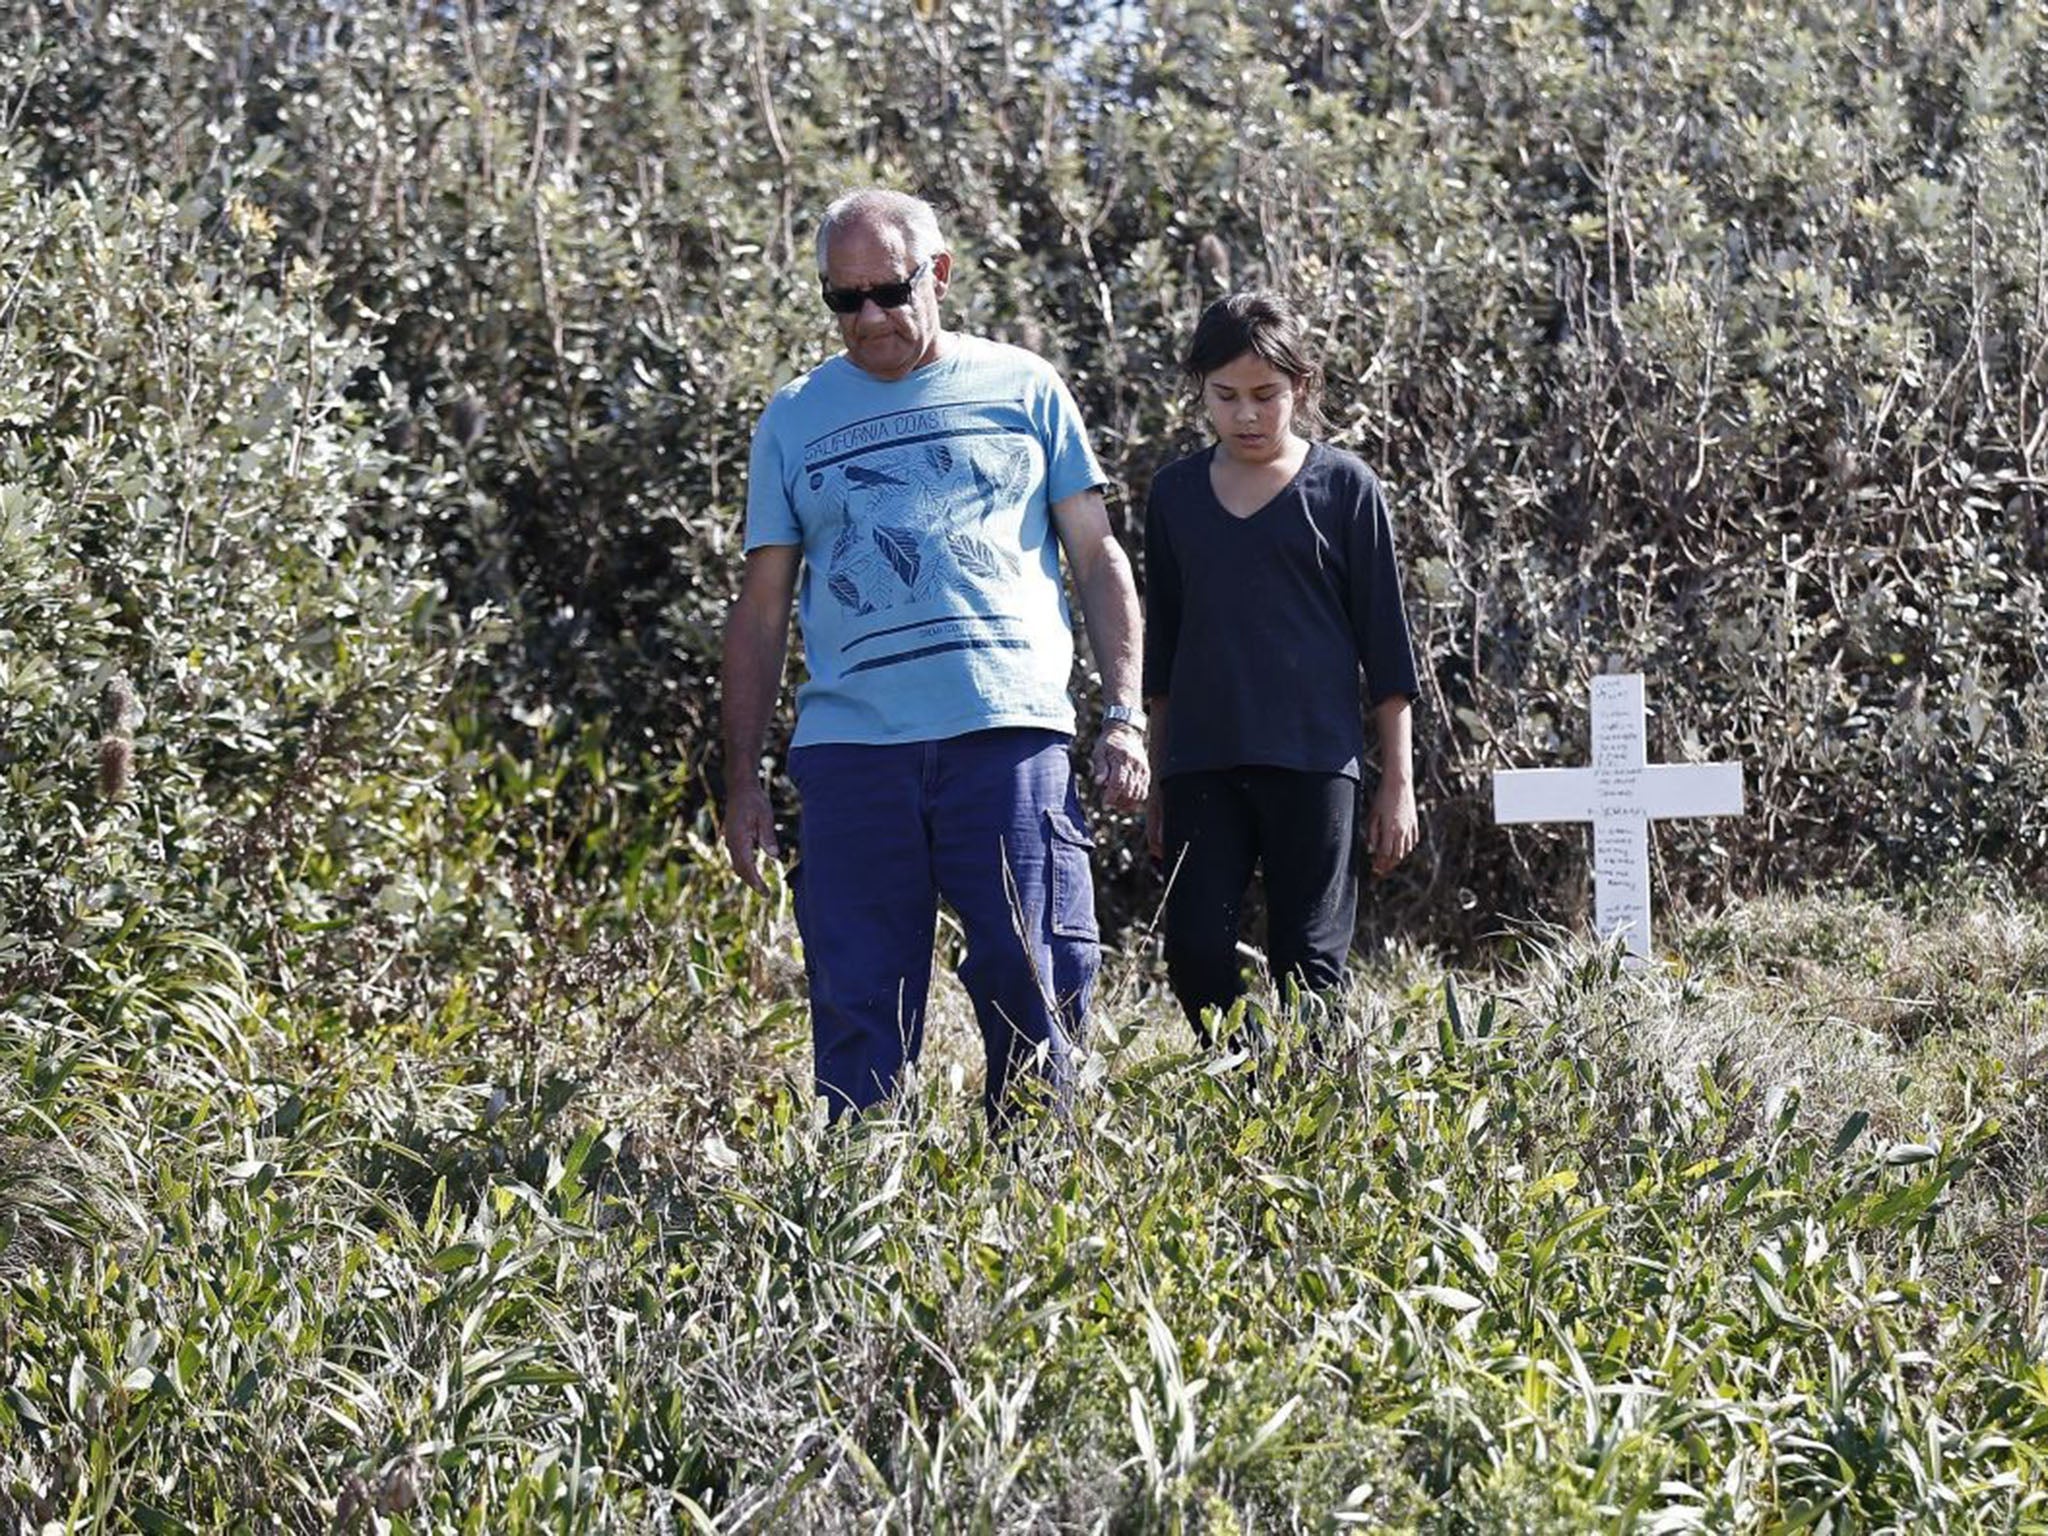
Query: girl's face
[(1250, 405)]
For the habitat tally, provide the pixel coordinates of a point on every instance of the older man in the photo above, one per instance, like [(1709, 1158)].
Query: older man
[(914, 494)]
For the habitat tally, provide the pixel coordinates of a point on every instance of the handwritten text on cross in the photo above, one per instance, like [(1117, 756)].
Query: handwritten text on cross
[(1620, 795)]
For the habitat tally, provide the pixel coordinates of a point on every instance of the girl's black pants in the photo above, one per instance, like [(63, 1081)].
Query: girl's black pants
[(1219, 825)]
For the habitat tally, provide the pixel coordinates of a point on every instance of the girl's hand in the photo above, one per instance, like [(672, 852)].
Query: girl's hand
[(1390, 828)]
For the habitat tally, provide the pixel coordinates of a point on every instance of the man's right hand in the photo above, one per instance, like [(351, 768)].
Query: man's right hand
[(750, 833)]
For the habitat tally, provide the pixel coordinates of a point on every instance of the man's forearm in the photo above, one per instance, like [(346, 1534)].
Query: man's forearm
[(1109, 604), (751, 677), (1109, 597)]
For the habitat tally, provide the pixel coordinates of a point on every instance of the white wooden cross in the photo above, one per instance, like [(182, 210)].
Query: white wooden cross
[(1620, 795)]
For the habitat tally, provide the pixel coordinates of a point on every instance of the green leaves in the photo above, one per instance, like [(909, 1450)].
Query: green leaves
[(1315, 1286), (186, 514), (1588, 289)]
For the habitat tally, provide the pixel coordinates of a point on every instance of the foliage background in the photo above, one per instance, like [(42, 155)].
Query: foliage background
[(1711, 341), (379, 1031)]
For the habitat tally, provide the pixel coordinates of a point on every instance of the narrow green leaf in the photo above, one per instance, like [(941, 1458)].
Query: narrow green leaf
[(1851, 1129)]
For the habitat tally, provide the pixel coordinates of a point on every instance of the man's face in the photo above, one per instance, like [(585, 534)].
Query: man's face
[(886, 343)]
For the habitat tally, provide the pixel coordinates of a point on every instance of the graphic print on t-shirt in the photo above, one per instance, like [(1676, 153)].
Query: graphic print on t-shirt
[(918, 499)]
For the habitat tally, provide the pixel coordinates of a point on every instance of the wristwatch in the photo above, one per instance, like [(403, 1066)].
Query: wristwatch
[(1124, 714)]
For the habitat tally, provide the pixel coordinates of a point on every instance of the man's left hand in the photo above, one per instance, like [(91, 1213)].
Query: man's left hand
[(1119, 767)]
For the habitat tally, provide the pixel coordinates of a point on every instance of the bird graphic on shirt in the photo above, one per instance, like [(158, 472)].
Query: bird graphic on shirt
[(984, 487), (873, 479)]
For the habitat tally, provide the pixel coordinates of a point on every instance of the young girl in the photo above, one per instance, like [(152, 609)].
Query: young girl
[(1271, 583)]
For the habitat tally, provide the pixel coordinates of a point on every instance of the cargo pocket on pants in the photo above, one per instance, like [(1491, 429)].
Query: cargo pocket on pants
[(1070, 878)]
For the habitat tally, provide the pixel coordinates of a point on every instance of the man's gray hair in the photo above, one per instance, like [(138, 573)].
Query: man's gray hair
[(912, 217)]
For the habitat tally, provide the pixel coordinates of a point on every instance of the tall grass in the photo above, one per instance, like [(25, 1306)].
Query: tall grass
[(1554, 1248)]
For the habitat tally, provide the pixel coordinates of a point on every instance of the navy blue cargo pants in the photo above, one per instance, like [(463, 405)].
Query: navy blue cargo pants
[(990, 821)]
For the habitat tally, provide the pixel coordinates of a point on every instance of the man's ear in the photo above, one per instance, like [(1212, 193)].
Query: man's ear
[(942, 272)]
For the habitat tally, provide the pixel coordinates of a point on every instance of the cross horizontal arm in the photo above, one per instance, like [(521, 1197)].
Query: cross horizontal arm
[(1543, 794), (1691, 789)]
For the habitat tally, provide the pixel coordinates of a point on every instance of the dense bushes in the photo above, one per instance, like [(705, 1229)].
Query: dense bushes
[(219, 686), (1704, 340)]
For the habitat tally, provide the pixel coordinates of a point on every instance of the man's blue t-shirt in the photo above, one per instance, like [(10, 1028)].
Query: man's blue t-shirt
[(930, 595)]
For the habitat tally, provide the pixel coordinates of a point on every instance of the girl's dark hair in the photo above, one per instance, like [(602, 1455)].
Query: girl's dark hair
[(1264, 324)]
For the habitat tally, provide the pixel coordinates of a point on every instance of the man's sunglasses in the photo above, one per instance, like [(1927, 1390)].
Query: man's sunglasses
[(848, 301)]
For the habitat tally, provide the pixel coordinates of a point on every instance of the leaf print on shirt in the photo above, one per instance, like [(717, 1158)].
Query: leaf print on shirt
[(925, 524), (1001, 477), (900, 547), (847, 591), (979, 558), (1013, 473), (848, 539)]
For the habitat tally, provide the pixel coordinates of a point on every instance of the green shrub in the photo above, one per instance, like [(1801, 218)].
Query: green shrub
[(1697, 340), (218, 688)]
